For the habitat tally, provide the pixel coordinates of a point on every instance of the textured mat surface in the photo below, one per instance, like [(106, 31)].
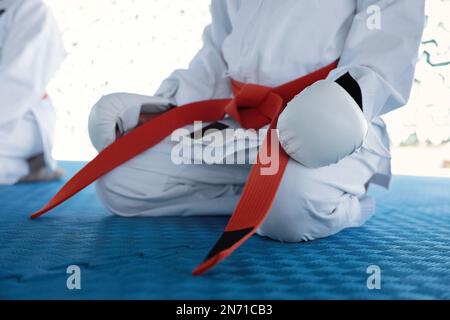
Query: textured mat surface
[(409, 239)]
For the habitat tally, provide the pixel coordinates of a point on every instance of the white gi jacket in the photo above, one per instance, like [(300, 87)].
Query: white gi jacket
[(270, 42), (31, 50)]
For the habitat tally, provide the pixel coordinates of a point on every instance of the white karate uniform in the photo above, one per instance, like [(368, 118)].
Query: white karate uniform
[(271, 42), (31, 50)]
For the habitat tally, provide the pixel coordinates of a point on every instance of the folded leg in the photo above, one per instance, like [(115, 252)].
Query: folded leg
[(151, 184), (316, 203)]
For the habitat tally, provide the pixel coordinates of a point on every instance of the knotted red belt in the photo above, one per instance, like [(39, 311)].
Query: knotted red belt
[(253, 106)]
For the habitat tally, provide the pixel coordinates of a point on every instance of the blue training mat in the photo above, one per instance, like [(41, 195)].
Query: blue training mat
[(152, 258)]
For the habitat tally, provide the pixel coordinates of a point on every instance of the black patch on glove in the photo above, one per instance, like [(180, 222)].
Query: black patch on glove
[(2, 11), (352, 87)]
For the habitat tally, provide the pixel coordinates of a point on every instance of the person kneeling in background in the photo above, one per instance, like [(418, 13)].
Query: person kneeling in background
[(31, 50)]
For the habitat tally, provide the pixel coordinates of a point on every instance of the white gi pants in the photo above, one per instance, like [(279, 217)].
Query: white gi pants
[(18, 142), (24, 138), (310, 203)]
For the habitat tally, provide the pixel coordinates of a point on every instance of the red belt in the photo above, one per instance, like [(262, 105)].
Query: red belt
[(253, 106)]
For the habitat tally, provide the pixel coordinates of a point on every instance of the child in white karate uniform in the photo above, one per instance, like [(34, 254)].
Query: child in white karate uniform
[(31, 50), (271, 42)]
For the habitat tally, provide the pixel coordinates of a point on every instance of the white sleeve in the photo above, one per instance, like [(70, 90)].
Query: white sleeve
[(204, 78), (31, 53), (381, 52)]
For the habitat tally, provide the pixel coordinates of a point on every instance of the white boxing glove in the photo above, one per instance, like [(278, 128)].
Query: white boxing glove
[(120, 111), (324, 123)]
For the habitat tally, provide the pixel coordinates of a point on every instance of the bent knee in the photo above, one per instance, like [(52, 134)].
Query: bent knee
[(305, 209), (129, 191), (298, 225), (113, 196)]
